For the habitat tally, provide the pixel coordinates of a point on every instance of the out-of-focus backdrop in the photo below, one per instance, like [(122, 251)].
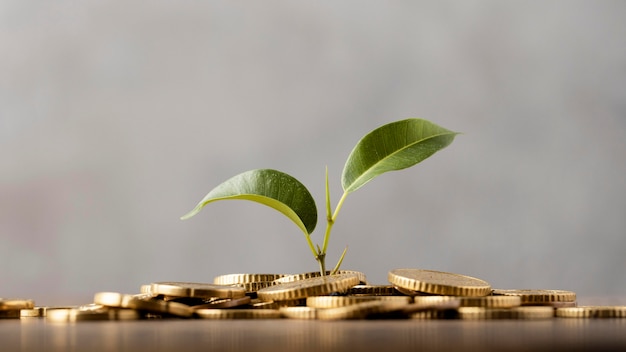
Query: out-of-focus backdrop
[(117, 117)]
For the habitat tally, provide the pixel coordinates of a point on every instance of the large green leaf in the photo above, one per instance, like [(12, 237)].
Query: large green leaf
[(269, 187), (394, 146)]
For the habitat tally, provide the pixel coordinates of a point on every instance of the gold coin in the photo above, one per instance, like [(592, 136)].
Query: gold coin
[(16, 304), (259, 304), (491, 301), (41, 312), (190, 301), (238, 313), (550, 304), (592, 312), (225, 303), (146, 289), (255, 286), (35, 312), (374, 290), (426, 300), (481, 313), (89, 307), (112, 299), (437, 282), (536, 312), (474, 313), (303, 276), (9, 314), (432, 305), (233, 279), (68, 315), (160, 306), (360, 310), (256, 303), (435, 314), (307, 313), (342, 301), (538, 296), (484, 301), (192, 289), (315, 286), (143, 302)]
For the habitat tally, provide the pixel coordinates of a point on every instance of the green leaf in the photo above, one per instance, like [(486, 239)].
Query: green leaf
[(269, 187), (391, 147)]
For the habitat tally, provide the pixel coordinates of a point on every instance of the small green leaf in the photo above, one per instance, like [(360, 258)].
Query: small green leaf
[(394, 146), (269, 187)]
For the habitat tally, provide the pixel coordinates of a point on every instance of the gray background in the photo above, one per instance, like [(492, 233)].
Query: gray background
[(116, 117)]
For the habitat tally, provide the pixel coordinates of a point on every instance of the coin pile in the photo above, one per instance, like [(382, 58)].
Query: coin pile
[(410, 294)]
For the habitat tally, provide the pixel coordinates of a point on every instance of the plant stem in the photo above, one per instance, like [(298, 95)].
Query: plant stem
[(320, 256), (331, 221), (308, 240), (322, 262), (339, 261)]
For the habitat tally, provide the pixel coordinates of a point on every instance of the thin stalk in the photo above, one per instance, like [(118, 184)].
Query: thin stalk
[(339, 261), (308, 240), (322, 262), (328, 209), (331, 221)]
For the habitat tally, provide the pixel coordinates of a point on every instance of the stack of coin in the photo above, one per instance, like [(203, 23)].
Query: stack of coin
[(551, 298), (410, 294), (250, 282), (302, 276), (474, 297), (11, 308)]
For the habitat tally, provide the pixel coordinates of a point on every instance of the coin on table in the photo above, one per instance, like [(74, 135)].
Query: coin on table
[(256, 303), (69, 315), (190, 301), (237, 313), (342, 301), (592, 312), (146, 289), (35, 312), (481, 313), (438, 282), (260, 304), (16, 304), (434, 314), (425, 306), (233, 279), (255, 286), (532, 296), (161, 307), (315, 286), (193, 289), (92, 307), (483, 301), (10, 314), (112, 299), (303, 276), (221, 303), (143, 302), (360, 310), (551, 304), (305, 313), (533, 312), (41, 312), (373, 290)]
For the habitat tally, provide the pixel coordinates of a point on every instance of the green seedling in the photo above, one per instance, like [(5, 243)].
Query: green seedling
[(394, 146)]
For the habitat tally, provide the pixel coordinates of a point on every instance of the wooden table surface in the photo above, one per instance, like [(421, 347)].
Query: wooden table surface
[(35, 334)]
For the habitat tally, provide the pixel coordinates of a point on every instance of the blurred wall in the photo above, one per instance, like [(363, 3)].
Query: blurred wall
[(116, 117)]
